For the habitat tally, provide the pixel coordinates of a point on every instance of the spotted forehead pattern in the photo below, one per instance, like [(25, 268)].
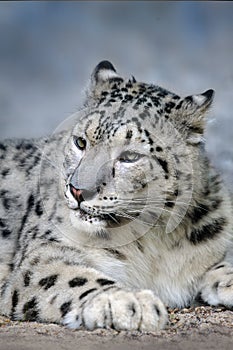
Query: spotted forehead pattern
[(147, 102), (138, 94)]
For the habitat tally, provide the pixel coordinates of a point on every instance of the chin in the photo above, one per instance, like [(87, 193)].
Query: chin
[(83, 222)]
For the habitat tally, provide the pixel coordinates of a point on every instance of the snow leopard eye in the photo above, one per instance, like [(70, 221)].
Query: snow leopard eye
[(79, 142), (129, 157)]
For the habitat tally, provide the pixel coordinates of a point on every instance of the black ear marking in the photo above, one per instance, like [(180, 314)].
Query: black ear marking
[(191, 115), (104, 71), (133, 80), (105, 65), (209, 94), (205, 99), (202, 101)]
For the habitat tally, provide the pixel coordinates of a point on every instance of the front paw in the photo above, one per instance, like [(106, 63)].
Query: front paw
[(120, 310), (217, 286), (153, 311)]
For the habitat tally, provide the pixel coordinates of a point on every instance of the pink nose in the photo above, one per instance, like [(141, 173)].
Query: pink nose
[(77, 193)]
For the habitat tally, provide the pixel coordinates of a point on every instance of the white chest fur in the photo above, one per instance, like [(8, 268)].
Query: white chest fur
[(172, 272)]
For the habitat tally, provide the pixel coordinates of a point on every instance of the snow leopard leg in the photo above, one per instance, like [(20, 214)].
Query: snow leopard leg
[(217, 284), (78, 296)]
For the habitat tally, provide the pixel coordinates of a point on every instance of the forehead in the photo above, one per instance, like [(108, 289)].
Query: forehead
[(137, 94), (126, 109), (110, 123)]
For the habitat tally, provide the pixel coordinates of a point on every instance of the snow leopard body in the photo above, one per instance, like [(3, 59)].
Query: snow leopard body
[(117, 215)]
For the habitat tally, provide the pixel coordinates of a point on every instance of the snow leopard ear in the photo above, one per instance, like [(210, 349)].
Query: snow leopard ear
[(193, 110), (103, 72)]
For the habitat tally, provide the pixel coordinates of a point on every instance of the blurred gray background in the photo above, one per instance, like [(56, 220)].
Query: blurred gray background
[(49, 49)]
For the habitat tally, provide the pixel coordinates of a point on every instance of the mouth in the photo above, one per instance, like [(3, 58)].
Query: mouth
[(76, 202), (110, 219)]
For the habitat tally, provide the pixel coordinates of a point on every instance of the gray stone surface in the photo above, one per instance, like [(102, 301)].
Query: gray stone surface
[(199, 328)]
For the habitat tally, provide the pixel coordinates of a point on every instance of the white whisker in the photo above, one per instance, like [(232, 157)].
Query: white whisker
[(128, 216)]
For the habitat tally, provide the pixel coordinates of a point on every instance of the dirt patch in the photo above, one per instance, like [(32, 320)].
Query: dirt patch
[(201, 327)]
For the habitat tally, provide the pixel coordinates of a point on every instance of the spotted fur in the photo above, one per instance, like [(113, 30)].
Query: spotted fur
[(117, 215)]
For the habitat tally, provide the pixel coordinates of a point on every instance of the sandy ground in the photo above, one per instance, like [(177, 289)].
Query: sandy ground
[(202, 327)]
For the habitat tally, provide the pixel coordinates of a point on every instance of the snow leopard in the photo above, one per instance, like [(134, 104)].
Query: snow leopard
[(117, 215)]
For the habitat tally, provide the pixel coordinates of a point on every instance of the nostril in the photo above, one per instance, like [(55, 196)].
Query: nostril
[(77, 193)]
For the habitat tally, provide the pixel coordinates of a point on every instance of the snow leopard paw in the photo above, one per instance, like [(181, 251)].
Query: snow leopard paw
[(217, 286), (120, 310)]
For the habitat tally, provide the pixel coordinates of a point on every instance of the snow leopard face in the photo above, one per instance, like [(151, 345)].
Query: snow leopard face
[(133, 155)]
